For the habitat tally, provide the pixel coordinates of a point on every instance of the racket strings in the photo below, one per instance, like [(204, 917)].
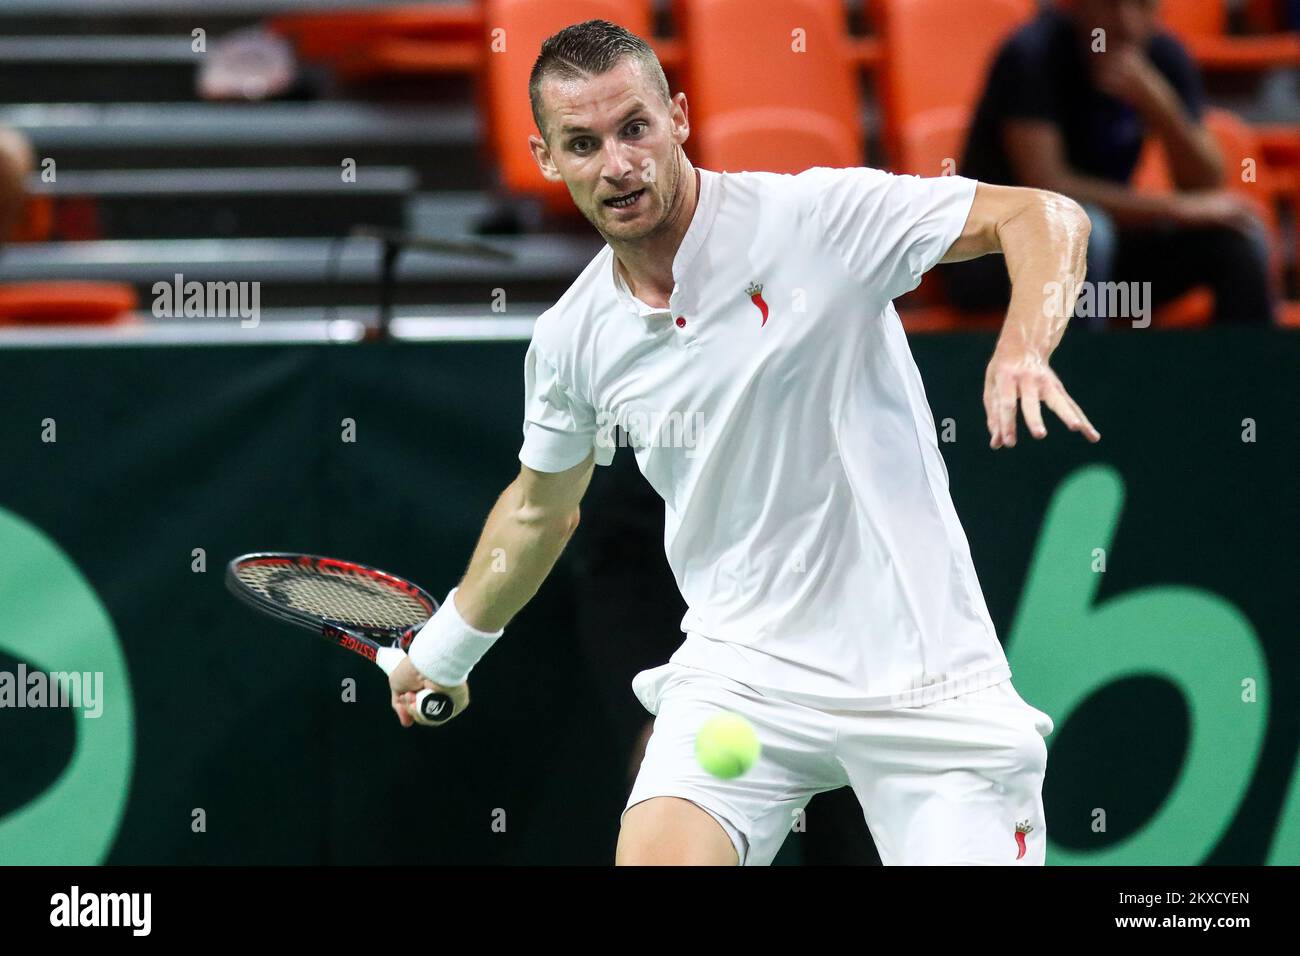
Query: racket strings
[(347, 598)]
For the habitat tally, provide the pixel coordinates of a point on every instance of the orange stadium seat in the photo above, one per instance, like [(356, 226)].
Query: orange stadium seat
[(867, 52), (1195, 18), (423, 40), (36, 222), (748, 88), (1280, 146), (66, 303), (508, 118), (429, 37), (931, 146), (404, 57), (936, 57), (937, 54), (931, 143), (1203, 26)]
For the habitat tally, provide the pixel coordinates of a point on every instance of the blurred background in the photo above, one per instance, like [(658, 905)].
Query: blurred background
[(233, 227)]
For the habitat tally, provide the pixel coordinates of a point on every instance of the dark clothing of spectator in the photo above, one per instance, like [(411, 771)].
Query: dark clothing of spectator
[(1041, 74)]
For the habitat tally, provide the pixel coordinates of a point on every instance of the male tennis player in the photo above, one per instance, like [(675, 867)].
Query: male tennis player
[(741, 327)]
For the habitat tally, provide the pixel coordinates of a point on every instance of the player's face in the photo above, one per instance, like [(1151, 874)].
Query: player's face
[(611, 136), (1126, 22)]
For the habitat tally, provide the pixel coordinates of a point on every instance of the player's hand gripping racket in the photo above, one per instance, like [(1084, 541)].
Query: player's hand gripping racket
[(365, 610)]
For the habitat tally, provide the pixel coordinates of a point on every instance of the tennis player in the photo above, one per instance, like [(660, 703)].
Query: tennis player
[(740, 327)]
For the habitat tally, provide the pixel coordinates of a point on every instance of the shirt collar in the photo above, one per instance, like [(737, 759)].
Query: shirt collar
[(706, 209)]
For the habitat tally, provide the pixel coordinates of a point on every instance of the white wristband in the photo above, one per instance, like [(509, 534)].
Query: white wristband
[(447, 648)]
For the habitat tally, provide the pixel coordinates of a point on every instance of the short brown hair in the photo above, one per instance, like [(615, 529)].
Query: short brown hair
[(590, 49)]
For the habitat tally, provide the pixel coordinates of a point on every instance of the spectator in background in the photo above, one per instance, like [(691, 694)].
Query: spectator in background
[(16, 162), (1056, 115)]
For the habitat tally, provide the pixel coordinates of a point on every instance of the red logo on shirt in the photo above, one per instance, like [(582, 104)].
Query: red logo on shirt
[(1021, 829), (755, 293)]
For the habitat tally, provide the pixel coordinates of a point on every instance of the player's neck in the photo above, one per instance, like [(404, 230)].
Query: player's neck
[(647, 265)]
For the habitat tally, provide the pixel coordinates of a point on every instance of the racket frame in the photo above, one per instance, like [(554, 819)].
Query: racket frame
[(365, 641), (375, 644)]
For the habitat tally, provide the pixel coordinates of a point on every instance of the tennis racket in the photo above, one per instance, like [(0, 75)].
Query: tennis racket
[(362, 609)]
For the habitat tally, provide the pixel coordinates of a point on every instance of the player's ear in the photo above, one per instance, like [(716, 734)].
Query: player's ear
[(681, 120), (542, 157)]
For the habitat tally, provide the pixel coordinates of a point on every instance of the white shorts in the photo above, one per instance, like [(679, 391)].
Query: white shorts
[(956, 781)]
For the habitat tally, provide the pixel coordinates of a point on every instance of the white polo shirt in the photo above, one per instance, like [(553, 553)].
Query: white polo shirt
[(808, 520)]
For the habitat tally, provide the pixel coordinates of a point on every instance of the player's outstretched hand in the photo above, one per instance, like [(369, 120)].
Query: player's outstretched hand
[(1017, 377), (406, 682)]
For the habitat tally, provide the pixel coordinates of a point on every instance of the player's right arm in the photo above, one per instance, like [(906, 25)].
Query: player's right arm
[(523, 537)]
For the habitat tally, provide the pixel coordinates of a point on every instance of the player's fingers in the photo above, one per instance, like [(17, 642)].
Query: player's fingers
[(1029, 407), (411, 701), (1089, 429), (990, 416), (403, 715), (1068, 411), (1006, 410), (1063, 408)]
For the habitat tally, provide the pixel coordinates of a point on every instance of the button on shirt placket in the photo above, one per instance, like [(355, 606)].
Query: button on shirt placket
[(683, 325), (663, 321), (671, 321), (684, 328)]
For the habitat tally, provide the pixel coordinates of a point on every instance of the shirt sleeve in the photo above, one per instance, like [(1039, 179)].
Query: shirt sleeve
[(889, 229), (560, 429)]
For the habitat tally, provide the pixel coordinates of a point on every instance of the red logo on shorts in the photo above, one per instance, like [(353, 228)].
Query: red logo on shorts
[(755, 293), (1021, 829)]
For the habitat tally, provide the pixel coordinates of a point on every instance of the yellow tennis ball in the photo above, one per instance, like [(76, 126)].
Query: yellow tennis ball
[(727, 746)]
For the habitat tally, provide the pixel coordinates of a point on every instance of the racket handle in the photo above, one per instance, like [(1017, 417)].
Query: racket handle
[(431, 708)]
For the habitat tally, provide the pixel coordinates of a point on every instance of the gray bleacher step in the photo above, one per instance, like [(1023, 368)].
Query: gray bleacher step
[(52, 69), (414, 323), (456, 212), (283, 202), (161, 16), (313, 272), (171, 183), (441, 143)]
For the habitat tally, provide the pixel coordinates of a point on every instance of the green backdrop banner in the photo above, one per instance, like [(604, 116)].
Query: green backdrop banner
[(1143, 588)]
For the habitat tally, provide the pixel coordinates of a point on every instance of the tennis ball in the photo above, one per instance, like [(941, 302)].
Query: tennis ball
[(727, 746)]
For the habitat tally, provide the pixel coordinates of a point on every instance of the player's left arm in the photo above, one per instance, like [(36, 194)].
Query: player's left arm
[(1044, 238)]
